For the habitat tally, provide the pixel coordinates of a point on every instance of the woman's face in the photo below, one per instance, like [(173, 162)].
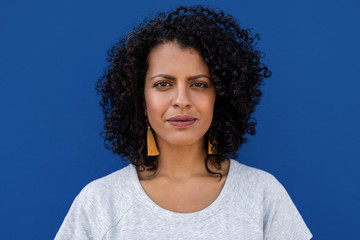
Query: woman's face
[(179, 95)]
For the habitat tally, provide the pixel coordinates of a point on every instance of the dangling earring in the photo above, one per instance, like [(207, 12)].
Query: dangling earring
[(210, 146), (152, 149)]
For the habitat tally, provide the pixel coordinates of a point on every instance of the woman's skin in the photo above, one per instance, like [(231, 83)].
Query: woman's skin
[(179, 103)]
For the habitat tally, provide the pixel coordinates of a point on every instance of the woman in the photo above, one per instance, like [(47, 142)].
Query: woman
[(177, 98)]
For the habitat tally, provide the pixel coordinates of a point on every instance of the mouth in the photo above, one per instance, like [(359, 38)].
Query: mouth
[(182, 121)]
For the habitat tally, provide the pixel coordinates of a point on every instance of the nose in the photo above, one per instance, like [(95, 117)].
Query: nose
[(182, 98)]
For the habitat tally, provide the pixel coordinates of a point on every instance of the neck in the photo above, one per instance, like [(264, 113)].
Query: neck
[(182, 162)]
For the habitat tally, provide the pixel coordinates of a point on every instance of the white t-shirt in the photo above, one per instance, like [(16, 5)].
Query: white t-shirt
[(252, 205)]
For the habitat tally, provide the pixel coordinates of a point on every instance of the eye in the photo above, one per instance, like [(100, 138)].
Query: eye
[(162, 84), (200, 84)]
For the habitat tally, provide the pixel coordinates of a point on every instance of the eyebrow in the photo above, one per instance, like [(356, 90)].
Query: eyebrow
[(173, 78)]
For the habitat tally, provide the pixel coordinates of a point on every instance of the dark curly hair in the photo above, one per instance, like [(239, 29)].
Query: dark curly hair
[(235, 69)]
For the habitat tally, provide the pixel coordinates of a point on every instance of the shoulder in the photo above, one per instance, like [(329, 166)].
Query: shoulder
[(117, 185), (249, 177), (98, 206), (113, 181), (253, 189), (264, 198), (255, 186)]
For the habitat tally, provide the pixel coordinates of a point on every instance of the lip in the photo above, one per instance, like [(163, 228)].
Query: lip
[(182, 121)]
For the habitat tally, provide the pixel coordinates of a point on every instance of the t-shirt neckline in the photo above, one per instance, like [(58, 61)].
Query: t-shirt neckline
[(150, 205)]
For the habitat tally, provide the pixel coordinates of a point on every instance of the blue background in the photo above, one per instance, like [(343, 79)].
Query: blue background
[(52, 53)]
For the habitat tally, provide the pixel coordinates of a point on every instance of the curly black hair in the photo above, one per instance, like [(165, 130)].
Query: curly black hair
[(235, 69)]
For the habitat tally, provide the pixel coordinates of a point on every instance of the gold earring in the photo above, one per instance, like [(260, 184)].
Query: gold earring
[(152, 149), (210, 147)]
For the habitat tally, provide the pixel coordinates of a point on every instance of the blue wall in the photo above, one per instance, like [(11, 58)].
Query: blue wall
[(52, 53)]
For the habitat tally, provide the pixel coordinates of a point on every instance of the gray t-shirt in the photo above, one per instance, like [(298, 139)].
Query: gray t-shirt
[(251, 205)]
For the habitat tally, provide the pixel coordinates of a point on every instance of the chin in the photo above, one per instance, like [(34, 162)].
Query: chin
[(180, 142)]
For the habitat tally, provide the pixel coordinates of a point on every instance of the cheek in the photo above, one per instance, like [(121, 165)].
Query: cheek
[(205, 102), (156, 105)]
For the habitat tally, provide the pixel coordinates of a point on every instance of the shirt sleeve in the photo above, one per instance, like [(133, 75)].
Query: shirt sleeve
[(282, 221)]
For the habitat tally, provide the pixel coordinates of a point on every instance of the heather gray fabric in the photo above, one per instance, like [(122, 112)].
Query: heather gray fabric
[(252, 205)]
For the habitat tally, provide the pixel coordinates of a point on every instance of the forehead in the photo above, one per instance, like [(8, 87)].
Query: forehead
[(171, 57)]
